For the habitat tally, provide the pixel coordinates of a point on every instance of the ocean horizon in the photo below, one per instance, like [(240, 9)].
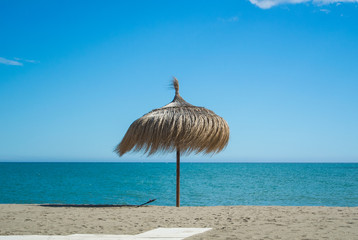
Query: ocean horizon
[(202, 184)]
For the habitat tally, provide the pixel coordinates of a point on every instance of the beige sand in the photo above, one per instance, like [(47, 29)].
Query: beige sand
[(229, 222)]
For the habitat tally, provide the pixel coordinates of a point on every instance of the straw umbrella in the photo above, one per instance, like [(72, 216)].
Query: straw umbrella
[(178, 126)]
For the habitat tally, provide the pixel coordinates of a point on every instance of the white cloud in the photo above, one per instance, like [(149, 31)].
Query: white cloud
[(16, 61), (31, 61), (231, 19), (10, 62), (266, 4), (26, 60), (325, 10)]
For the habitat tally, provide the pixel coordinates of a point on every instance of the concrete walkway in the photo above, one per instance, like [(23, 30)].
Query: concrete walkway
[(155, 234)]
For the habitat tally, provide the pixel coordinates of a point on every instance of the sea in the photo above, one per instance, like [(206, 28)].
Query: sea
[(202, 184)]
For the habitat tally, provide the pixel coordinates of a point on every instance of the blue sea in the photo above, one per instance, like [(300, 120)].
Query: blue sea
[(202, 184)]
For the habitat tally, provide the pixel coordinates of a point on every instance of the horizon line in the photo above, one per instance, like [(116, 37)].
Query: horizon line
[(1, 161)]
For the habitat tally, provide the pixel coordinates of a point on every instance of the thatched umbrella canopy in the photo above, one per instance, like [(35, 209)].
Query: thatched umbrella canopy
[(178, 126)]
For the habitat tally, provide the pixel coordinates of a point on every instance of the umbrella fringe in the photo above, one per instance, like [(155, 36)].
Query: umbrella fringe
[(176, 125), (165, 132)]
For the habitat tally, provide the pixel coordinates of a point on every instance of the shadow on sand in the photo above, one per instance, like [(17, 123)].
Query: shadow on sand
[(94, 205)]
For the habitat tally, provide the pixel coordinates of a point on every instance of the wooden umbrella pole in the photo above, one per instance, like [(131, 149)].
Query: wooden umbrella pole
[(178, 177)]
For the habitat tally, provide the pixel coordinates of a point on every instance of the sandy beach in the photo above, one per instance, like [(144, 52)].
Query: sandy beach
[(228, 222)]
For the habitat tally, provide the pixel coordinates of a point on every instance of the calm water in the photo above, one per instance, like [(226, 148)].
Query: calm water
[(202, 184)]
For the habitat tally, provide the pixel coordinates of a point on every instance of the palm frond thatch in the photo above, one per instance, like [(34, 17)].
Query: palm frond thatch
[(177, 125)]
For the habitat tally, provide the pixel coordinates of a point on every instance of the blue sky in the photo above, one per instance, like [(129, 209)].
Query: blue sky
[(283, 73)]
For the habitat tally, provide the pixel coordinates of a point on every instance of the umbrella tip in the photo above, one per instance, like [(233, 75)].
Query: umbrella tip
[(176, 85)]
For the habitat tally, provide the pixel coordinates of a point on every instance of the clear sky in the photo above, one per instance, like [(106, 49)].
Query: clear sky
[(283, 73)]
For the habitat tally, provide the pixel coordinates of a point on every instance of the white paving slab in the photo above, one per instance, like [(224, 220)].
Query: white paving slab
[(99, 236), (69, 237), (155, 234), (27, 237), (173, 232)]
